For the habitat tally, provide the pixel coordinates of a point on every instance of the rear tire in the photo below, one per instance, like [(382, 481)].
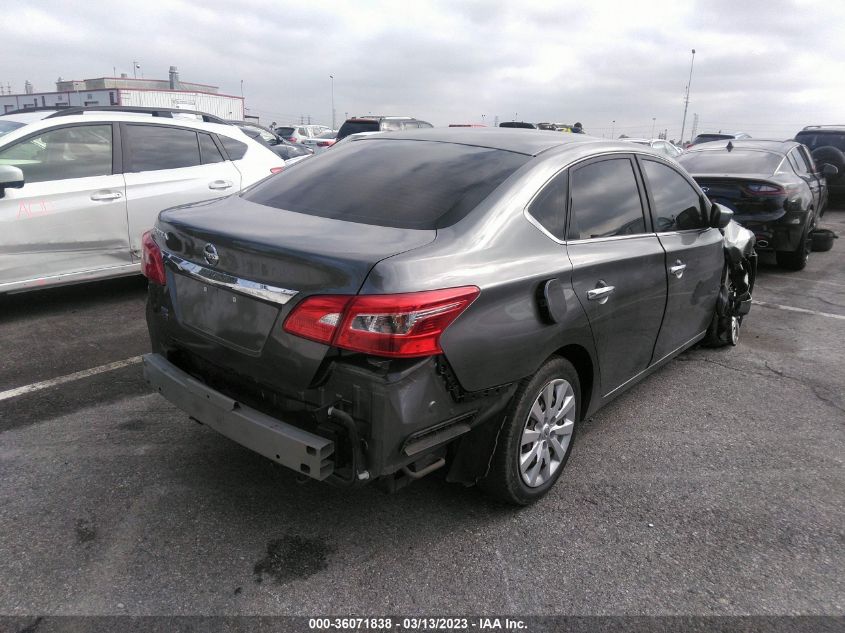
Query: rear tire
[(797, 259), (537, 435)]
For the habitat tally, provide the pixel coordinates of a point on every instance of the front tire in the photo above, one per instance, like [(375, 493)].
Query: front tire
[(537, 434)]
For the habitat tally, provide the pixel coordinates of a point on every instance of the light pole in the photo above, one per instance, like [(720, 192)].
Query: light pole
[(612, 127), (653, 122), (686, 97), (333, 118)]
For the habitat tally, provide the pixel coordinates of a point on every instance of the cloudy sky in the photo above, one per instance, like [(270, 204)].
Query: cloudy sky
[(764, 67)]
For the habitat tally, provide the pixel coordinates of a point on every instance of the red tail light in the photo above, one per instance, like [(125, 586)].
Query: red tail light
[(292, 139), (399, 325), (276, 170), (152, 263), (762, 189), (325, 143)]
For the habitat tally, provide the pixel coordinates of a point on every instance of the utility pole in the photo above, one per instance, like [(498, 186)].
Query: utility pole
[(612, 127), (686, 97), (135, 67), (333, 117), (496, 121), (694, 130), (309, 119)]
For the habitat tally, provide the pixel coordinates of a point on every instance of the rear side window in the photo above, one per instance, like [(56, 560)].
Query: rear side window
[(424, 124), (677, 206), (549, 207), (284, 131), (396, 183), (208, 150), (235, 149), (605, 200), (68, 152), (154, 147)]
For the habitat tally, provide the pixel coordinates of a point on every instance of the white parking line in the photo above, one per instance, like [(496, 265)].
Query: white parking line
[(46, 384), (803, 310)]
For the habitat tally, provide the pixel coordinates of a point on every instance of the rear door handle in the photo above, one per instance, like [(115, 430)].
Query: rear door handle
[(678, 269), (601, 292), (106, 195), (219, 184)]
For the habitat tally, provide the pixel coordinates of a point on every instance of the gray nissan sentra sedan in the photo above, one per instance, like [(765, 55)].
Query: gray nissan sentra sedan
[(456, 298)]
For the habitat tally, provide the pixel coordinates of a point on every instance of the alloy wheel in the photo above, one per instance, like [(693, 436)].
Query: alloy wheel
[(547, 433)]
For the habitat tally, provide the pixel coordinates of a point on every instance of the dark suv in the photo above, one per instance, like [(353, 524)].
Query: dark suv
[(457, 297), (380, 124), (827, 145)]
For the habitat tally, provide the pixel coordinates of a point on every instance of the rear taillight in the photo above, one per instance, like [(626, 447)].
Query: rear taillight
[(292, 139), (152, 263), (276, 170), (399, 325), (325, 143), (759, 189)]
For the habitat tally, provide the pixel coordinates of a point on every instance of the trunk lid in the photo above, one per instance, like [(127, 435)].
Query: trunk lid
[(734, 193), (230, 311)]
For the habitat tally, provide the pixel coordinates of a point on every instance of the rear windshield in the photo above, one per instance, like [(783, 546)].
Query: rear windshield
[(519, 124), (706, 138), (397, 183), (284, 131), (814, 140), (353, 127), (8, 126), (734, 162)]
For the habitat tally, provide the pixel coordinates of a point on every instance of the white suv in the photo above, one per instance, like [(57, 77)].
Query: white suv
[(80, 187)]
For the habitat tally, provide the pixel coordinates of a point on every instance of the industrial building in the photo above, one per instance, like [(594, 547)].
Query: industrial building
[(124, 90)]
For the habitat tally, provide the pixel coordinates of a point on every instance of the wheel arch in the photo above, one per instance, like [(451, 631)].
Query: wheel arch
[(583, 363)]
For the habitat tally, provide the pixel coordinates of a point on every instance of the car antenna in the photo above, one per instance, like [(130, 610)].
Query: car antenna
[(729, 146)]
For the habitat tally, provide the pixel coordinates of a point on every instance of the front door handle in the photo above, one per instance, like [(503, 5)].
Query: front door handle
[(219, 184), (678, 269), (601, 292), (106, 195)]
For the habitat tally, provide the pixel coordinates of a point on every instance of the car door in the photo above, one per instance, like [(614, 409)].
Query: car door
[(618, 269), (165, 166), (694, 259), (806, 174), (70, 215), (815, 175)]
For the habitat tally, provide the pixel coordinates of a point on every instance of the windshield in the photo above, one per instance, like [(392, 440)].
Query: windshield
[(737, 161), (8, 126), (395, 183)]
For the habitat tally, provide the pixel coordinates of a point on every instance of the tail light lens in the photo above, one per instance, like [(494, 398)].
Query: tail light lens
[(292, 139), (325, 143), (399, 325), (276, 170), (760, 189), (152, 263)]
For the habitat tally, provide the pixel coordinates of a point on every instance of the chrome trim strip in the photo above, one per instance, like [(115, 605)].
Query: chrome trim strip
[(273, 294)]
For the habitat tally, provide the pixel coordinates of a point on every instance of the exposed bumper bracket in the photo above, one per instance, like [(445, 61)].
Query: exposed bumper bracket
[(304, 452)]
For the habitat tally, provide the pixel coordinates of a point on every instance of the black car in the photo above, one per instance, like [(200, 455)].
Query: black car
[(270, 139), (773, 187), (456, 297), (827, 145), (357, 125)]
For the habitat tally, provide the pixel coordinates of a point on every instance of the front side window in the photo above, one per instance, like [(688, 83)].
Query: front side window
[(549, 207), (68, 152), (155, 147), (605, 200), (677, 206)]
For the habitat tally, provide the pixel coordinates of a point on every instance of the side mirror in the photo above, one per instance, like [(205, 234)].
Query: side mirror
[(720, 216), (829, 171), (10, 178)]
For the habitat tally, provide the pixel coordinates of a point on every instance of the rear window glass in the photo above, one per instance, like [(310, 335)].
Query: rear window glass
[(8, 126), (284, 131), (734, 162), (396, 183), (353, 127), (706, 138), (235, 149), (816, 140)]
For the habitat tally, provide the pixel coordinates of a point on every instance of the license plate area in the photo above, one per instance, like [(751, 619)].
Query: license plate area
[(226, 316)]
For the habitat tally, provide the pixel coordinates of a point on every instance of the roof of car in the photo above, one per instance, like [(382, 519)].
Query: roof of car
[(523, 141), (824, 128), (768, 145)]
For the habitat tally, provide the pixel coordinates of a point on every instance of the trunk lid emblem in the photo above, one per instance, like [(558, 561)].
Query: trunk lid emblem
[(210, 254)]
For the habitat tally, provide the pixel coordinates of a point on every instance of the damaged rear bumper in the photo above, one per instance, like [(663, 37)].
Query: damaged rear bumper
[(307, 453)]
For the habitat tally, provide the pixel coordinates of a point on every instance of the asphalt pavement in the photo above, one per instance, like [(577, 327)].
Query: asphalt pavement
[(714, 487)]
